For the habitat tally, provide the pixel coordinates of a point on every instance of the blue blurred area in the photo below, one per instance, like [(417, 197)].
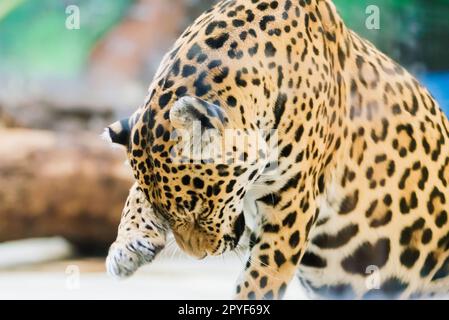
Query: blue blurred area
[(438, 85)]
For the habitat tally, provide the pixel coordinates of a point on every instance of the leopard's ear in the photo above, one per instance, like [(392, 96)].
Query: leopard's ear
[(188, 110), (118, 132)]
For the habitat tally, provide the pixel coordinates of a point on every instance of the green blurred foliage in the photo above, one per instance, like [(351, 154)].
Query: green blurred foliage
[(411, 31), (34, 38)]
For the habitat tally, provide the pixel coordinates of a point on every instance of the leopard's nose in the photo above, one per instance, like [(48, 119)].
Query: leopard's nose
[(192, 245)]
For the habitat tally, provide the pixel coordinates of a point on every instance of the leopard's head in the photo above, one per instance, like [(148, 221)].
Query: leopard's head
[(195, 168)]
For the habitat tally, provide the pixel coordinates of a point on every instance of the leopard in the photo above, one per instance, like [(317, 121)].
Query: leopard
[(347, 192)]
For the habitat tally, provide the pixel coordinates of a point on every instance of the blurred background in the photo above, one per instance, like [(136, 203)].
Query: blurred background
[(62, 188)]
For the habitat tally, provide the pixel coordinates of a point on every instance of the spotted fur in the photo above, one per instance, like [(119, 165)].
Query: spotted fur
[(359, 197)]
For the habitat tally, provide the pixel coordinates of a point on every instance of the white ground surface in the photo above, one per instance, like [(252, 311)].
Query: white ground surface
[(165, 278)]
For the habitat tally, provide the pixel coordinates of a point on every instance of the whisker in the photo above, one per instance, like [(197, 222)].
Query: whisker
[(266, 268)]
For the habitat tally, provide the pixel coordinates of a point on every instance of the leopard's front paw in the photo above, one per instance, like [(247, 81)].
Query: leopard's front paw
[(125, 257)]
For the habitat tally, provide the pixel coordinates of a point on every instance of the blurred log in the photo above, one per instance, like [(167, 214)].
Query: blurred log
[(61, 185), (6, 120)]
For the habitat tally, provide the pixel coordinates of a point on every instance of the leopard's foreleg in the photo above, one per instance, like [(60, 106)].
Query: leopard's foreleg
[(141, 236)]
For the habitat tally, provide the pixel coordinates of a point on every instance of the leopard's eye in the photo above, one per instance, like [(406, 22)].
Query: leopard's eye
[(204, 210), (150, 139), (180, 208)]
